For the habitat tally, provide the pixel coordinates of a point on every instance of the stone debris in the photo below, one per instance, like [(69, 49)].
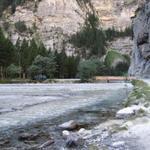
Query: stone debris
[(74, 140)]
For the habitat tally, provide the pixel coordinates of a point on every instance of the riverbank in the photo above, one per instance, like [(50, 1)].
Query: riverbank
[(96, 79), (130, 129), (89, 104)]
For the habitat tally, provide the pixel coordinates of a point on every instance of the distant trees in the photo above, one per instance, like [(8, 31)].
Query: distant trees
[(112, 33), (27, 59), (13, 3), (92, 67), (66, 66), (43, 66), (6, 54), (13, 71), (91, 37)]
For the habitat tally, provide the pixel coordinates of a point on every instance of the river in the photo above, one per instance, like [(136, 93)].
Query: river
[(26, 104)]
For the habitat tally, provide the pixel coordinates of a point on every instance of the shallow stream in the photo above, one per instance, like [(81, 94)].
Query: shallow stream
[(39, 109)]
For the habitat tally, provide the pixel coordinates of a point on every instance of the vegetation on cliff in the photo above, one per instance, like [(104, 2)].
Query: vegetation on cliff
[(4, 4)]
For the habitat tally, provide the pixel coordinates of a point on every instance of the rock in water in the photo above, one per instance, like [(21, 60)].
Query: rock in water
[(70, 125), (140, 65)]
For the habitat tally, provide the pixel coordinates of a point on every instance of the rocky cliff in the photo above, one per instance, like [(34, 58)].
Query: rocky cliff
[(141, 52), (51, 21)]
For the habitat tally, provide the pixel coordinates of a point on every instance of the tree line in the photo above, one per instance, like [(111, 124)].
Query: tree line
[(92, 39), (26, 59)]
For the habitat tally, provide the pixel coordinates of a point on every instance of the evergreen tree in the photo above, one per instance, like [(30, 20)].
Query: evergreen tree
[(6, 53), (24, 57)]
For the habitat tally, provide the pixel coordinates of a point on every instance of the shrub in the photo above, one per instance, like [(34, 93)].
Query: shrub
[(20, 26), (87, 69), (117, 63)]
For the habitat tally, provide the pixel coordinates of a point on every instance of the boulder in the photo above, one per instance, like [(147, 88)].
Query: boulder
[(125, 113), (70, 125), (130, 111)]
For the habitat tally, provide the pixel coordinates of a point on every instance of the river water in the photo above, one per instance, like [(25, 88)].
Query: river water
[(24, 104)]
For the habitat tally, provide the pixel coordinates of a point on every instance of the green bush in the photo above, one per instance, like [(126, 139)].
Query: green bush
[(117, 63), (20, 26), (87, 69)]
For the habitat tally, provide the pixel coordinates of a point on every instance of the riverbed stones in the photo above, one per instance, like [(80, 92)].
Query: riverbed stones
[(118, 144), (65, 133), (70, 125), (46, 144), (74, 140), (27, 137)]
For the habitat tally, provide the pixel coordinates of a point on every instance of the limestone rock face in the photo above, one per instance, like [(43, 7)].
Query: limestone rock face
[(141, 52), (123, 45), (56, 19)]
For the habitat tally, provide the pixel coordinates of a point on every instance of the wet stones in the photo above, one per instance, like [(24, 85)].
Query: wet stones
[(27, 137), (70, 125), (118, 144), (4, 142), (65, 133), (74, 140), (46, 144)]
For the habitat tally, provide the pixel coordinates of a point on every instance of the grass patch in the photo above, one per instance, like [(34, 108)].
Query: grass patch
[(141, 93), (112, 56)]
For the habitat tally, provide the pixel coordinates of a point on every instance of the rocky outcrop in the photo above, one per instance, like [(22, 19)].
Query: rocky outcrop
[(141, 52), (123, 45)]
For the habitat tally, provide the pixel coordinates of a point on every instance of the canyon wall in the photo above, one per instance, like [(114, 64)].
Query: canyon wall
[(141, 51), (55, 20)]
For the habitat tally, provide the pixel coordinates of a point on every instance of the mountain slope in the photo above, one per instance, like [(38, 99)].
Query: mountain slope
[(51, 21)]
